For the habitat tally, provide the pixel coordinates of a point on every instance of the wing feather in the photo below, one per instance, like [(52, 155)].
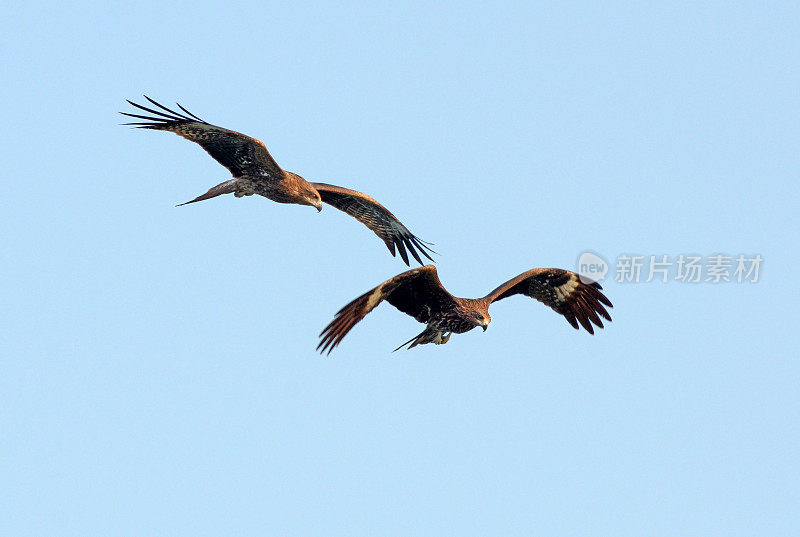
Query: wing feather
[(417, 292), (241, 154), (580, 303), (377, 218)]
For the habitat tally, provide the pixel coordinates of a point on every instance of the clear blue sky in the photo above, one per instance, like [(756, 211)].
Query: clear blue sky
[(158, 373)]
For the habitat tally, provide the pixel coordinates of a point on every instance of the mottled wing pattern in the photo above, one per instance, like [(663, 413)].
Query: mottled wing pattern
[(241, 154), (563, 291), (417, 292), (377, 218)]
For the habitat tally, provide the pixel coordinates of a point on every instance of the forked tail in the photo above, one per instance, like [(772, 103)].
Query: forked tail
[(227, 187), (428, 335)]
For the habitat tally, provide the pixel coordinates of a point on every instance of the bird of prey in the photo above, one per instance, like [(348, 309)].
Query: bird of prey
[(256, 172), (419, 293)]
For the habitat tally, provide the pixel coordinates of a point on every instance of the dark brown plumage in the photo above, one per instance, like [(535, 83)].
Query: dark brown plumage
[(420, 294), (256, 172)]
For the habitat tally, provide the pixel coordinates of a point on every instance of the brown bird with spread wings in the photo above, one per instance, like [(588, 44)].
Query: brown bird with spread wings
[(255, 172), (419, 293)]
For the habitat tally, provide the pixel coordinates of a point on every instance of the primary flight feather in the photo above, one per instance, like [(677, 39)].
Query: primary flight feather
[(420, 294), (256, 172)]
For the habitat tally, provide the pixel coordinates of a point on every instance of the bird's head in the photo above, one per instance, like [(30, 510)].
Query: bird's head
[(311, 196), (482, 319), (315, 200), (304, 191)]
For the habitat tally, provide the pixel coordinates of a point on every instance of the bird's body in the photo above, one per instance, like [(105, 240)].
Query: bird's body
[(288, 188), (256, 172), (419, 293)]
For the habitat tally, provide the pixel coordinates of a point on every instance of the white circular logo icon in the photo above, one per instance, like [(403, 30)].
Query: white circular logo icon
[(591, 267)]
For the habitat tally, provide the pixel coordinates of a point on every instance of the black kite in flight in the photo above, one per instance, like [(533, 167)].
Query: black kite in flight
[(255, 172), (419, 293)]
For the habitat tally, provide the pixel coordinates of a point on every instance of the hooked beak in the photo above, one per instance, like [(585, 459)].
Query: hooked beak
[(485, 327), (318, 205)]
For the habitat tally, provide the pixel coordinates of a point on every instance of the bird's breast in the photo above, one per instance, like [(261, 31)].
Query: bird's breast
[(245, 187), (453, 322), (273, 190)]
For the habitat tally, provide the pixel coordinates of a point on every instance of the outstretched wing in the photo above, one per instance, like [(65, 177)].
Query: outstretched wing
[(417, 292), (376, 217), (563, 291), (241, 154)]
